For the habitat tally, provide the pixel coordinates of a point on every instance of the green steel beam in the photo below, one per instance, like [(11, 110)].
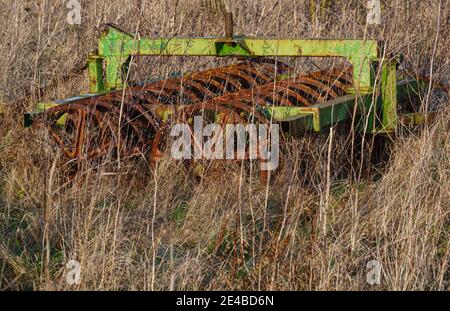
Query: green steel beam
[(324, 114), (416, 118), (116, 47), (340, 109), (389, 97), (95, 68)]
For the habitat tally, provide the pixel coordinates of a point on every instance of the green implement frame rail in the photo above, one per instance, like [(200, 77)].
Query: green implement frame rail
[(375, 99)]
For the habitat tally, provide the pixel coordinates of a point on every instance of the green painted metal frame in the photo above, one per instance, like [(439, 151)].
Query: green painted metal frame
[(316, 117), (108, 64), (116, 47), (389, 96)]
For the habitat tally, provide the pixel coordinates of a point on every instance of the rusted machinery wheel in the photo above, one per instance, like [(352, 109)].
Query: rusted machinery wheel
[(135, 121), (126, 123), (91, 131)]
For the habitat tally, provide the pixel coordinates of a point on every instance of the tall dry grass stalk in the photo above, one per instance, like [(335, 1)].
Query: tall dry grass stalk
[(324, 215)]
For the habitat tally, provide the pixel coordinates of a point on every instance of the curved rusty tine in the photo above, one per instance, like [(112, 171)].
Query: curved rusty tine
[(309, 91), (259, 95), (290, 93), (104, 142), (145, 112), (241, 75), (80, 134), (59, 141), (142, 112), (148, 98), (160, 90), (332, 82), (241, 103), (191, 109), (217, 75), (229, 83), (145, 100), (207, 82), (204, 91), (152, 98), (138, 132), (54, 113), (212, 70), (243, 71), (265, 71), (97, 118), (94, 147), (128, 108), (278, 98), (272, 92), (81, 111), (148, 114), (249, 66), (298, 88), (110, 108), (107, 104), (169, 87), (112, 133), (56, 137), (114, 130), (313, 93), (344, 75), (323, 88)]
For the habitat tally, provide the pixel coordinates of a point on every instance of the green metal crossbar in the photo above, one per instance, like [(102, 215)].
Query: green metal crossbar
[(116, 47)]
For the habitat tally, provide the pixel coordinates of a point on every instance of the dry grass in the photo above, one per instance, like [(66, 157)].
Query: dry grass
[(168, 228)]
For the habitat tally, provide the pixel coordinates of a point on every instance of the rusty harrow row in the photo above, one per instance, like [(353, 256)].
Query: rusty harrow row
[(134, 123)]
